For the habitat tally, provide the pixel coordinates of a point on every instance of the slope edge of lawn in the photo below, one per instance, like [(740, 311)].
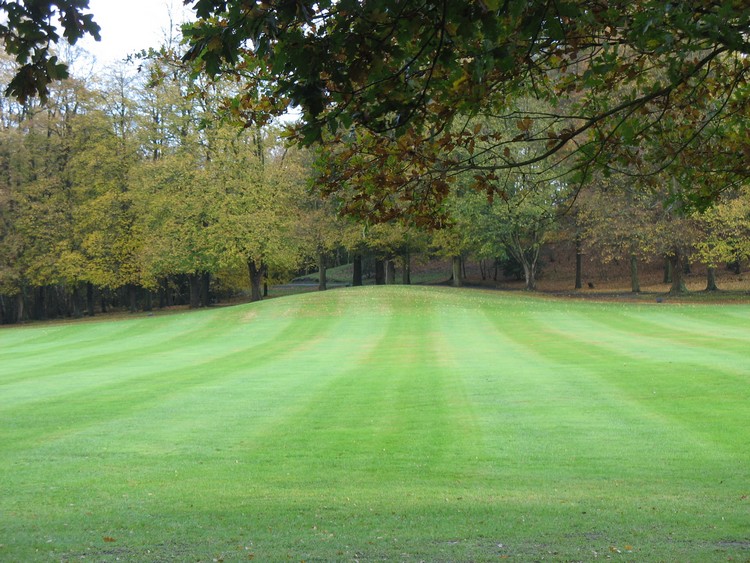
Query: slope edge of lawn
[(380, 423)]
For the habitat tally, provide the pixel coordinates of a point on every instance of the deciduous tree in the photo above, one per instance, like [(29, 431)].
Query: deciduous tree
[(409, 69)]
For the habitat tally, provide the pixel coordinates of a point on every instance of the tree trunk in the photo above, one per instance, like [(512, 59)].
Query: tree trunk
[(206, 289), (169, 289), (579, 263), (132, 298), (357, 270), (528, 260), (90, 299), (256, 280), (667, 270), (635, 284), (457, 277), (40, 306), (390, 272), (711, 279), (322, 274), (379, 272), (406, 271), (678, 273), (194, 282), (529, 272), (19, 306), (62, 301), (75, 302)]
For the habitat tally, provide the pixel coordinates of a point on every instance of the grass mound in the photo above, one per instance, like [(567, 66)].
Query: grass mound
[(382, 423)]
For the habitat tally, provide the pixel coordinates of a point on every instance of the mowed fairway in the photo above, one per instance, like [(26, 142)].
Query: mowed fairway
[(388, 423)]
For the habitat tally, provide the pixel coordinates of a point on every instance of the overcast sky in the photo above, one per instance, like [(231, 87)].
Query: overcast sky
[(130, 26)]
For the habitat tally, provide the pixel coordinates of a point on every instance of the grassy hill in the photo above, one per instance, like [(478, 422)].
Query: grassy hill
[(380, 423)]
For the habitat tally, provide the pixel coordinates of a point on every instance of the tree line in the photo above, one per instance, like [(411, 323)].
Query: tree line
[(129, 191), (137, 191), (462, 129)]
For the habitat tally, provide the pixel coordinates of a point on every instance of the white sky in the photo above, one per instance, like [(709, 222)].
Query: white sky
[(129, 26)]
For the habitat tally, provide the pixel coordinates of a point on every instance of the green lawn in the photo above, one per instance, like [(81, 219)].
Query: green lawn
[(380, 423)]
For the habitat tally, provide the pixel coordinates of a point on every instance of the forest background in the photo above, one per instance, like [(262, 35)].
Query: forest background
[(154, 185)]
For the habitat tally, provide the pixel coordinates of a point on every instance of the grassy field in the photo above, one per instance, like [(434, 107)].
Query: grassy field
[(386, 423)]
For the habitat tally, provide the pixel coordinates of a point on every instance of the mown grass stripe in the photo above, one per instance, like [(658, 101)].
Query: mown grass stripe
[(687, 392), (382, 424), (118, 388), (374, 414)]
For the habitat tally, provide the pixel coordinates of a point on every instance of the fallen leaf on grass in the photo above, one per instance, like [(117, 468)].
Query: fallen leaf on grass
[(109, 539)]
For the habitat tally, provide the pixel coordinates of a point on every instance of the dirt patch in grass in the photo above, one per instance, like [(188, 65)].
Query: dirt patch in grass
[(734, 544), (162, 552)]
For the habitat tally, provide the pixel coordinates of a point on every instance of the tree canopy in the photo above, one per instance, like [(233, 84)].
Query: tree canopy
[(30, 29), (617, 73)]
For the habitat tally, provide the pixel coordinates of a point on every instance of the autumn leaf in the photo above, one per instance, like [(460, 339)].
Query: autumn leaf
[(525, 123)]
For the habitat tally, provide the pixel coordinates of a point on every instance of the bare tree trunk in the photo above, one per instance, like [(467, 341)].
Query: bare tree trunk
[(390, 272), (379, 271), (457, 279), (711, 279), (256, 280), (529, 272), (527, 258), (90, 299), (579, 263), (206, 289), (132, 298), (322, 275), (529, 267), (357, 270), (635, 284), (19, 306), (406, 271), (194, 282), (678, 273), (75, 302), (667, 270), (40, 306)]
